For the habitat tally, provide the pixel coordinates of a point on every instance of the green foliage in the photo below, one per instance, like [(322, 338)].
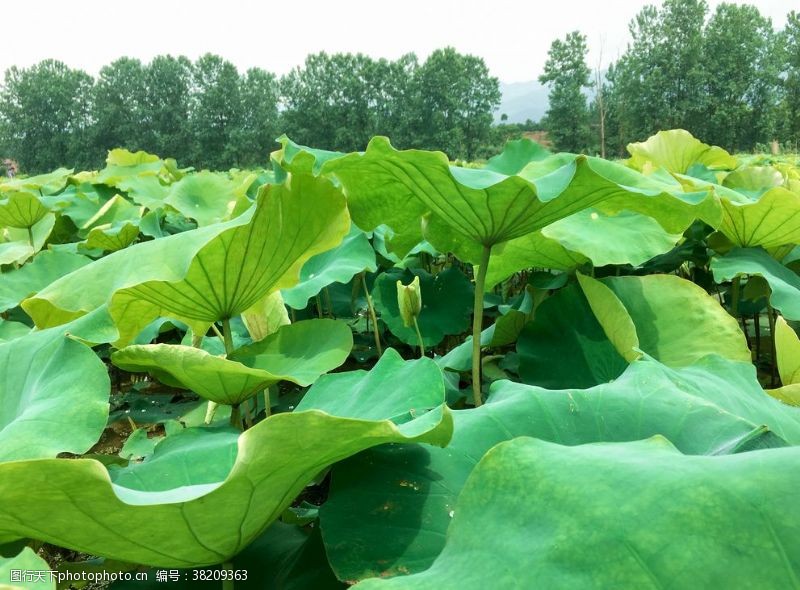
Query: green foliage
[(580, 545), (50, 379), (456, 99), (340, 101), (610, 302), (44, 113), (742, 72), (197, 520), (567, 75), (729, 77)]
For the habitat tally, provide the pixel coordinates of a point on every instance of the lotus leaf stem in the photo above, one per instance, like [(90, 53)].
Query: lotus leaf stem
[(236, 416), (419, 338), (736, 289), (227, 339), (477, 324), (372, 316), (227, 584)]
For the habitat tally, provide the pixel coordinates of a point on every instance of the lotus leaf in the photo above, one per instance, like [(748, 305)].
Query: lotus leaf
[(446, 304), (676, 321), (784, 284), (43, 270), (714, 408), (201, 522), (677, 150), (207, 275), (730, 511), (299, 353), (53, 396), (338, 265)]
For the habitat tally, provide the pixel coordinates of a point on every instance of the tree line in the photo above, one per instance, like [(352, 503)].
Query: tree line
[(209, 115), (727, 77)]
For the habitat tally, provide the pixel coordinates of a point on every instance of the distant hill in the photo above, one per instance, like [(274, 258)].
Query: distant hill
[(522, 101)]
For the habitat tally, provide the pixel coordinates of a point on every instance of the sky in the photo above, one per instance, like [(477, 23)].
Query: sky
[(512, 37)]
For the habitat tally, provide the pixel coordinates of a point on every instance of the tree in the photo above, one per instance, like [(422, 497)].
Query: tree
[(741, 77), (308, 94), (216, 111), (567, 75), (455, 99), (790, 107), (118, 106), (254, 138), (659, 79), (44, 114), (168, 82), (393, 98), (340, 101)]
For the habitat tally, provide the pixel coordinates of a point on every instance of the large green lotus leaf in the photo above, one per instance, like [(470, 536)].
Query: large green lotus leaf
[(516, 154), (112, 237), (446, 304), (208, 454), (597, 516), (753, 181), (43, 184), (626, 238), (784, 284), (116, 210), (92, 287), (468, 208), (218, 271), (12, 330), (113, 226), (147, 191), (18, 248), (631, 199), (771, 221), (21, 210), (299, 353), (393, 388), (677, 151), (266, 316), (45, 268), (78, 203), (309, 160), (616, 321), (122, 164), (73, 502), (673, 204), (339, 265), (389, 507), (676, 321), (787, 352), (214, 378), (15, 252), (565, 328), (534, 250), (207, 197), (53, 396), (123, 157), (788, 394), (31, 572), (292, 223)]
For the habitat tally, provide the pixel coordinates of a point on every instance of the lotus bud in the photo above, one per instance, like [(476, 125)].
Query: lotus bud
[(409, 299)]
